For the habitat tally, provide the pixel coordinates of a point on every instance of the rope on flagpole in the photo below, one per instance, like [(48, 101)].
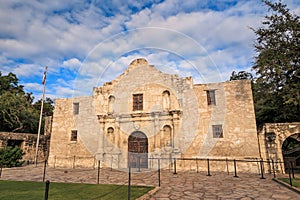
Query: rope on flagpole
[(40, 121)]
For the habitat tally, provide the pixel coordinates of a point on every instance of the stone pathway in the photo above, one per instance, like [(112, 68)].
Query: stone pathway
[(183, 185)]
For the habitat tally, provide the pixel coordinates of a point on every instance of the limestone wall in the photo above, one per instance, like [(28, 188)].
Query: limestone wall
[(234, 110), (271, 138), (62, 148), (177, 126), (27, 142)]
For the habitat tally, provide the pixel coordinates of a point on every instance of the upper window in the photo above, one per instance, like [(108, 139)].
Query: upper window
[(138, 102), (75, 108), (211, 98), (74, 135), (110, 130), (217, 131), (111, 101), (166, 100)]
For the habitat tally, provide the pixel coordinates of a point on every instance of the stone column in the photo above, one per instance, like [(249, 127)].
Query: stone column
[(100, 151), (161, 138), (156, 128), (117, 121), (175, 124)]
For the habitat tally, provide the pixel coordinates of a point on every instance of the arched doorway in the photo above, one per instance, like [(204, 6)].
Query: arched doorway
[(291, 152), (138, 150)]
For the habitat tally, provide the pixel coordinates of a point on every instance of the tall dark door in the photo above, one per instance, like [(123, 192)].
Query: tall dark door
[(138, 150)]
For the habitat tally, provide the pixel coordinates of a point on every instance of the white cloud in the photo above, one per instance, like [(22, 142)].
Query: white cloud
[(27, 70), (33, 86), (73, 35), (72, 63), (60, 92)]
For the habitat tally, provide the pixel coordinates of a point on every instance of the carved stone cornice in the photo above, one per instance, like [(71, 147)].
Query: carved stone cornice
[(140, 116)]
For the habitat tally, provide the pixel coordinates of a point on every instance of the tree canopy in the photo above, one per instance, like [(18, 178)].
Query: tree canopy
[(276, 83), (277, 66), (241, 75), (18, 112)]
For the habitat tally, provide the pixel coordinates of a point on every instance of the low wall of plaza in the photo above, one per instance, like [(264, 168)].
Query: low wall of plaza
[(72, 162), (229, 165)]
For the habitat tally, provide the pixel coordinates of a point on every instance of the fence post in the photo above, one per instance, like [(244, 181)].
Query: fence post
[(139, 163), (291, 183), (54, 162), (175, 172), (170, 163), (273, 167), (158, 172), (291, 163), (129, 181), (44, 174), (111, 162), (227, 166), (262, 168), (235, 171), (47, 189), (98, 175), (208, 168), (258, 166), (1, 169), (2, 161), (74, 162), (269, 166), (94, 162), (151, 162), (281, 166)]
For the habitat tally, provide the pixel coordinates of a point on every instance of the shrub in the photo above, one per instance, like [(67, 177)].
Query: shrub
[(11, 157)]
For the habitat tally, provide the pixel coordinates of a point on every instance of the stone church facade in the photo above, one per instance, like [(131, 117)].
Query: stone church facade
[(146, 114)]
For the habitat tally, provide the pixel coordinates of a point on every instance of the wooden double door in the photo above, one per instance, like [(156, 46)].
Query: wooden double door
[(138, 150)]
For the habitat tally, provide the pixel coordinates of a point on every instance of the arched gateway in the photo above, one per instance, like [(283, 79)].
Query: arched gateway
[(138, 150), (274, 138)]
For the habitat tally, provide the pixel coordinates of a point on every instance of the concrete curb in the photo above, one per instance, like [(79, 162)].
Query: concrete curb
[(148, 194), (287, 185)]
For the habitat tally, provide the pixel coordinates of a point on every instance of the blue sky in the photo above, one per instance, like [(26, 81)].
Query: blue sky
[(85, 43)]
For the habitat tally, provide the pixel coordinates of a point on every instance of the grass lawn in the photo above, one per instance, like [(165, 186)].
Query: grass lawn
[(25, 190), (295, 181)]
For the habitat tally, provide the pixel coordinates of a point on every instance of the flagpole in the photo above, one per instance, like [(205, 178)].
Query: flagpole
[(40, 121)]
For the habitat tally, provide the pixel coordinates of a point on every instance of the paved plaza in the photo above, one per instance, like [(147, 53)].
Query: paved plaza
[(183, 185)]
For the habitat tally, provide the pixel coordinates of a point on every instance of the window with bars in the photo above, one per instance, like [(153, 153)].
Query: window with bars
[(74, 135), (217, 131), (211, 98), (138, 102), (75, 108)]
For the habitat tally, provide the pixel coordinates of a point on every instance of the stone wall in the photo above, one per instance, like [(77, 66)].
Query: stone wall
[(234, 110), (271, 137), (176, 120), (27, 142), (62, 148)]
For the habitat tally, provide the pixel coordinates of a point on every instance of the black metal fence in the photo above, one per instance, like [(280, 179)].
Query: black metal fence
[(224, 165), (199, 165)]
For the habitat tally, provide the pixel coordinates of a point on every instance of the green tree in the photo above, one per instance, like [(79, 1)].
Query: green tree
[(18, 113), (290, 143), (13, 108), (277, 66), (241, 75), (11, 157), (47, 108), (10, 83)]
